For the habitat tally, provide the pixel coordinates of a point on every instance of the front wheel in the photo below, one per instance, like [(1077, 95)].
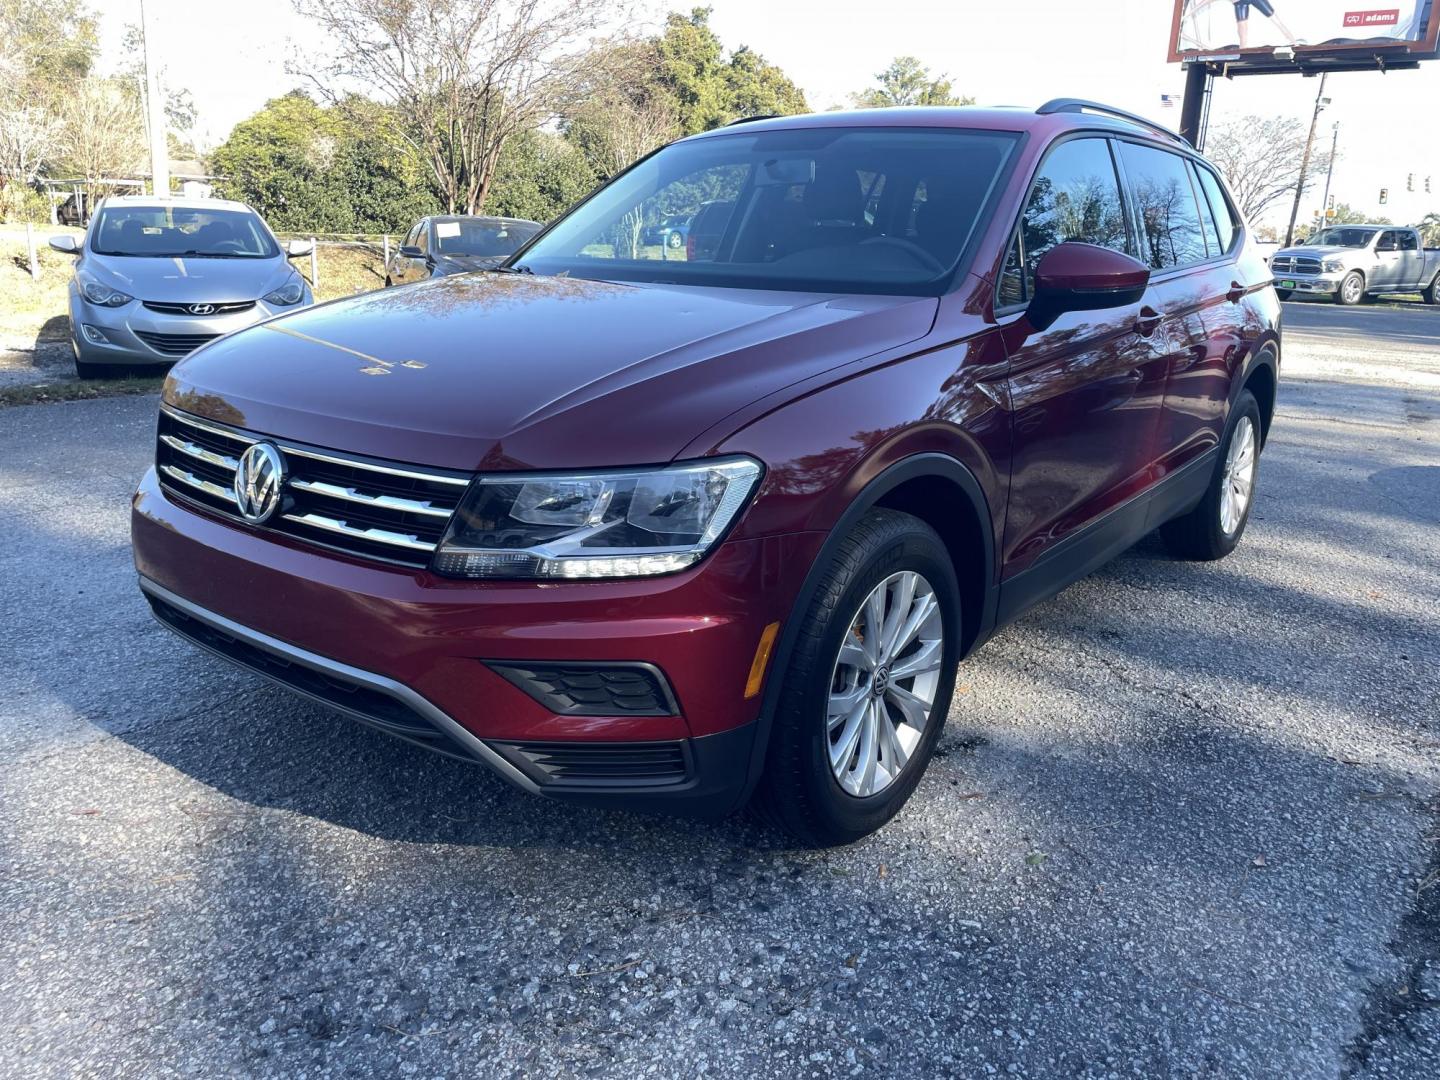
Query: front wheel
[(1213, 529), (1352, 289), (868, 684)]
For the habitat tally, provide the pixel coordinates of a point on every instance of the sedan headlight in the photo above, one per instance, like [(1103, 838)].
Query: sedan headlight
[(104, 295), (289, 293), (1333, 266), (594, 525)]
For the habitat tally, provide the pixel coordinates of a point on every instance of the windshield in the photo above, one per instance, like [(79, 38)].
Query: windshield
[(832, 209), (1351, 238), (176, 231), (477, 236)]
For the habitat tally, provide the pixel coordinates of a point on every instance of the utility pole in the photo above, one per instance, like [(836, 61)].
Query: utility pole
[(1329, 172), (1305, 161), (155, 111)]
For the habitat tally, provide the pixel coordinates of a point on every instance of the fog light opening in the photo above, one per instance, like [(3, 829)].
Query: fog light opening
[(763, 649), (94, 334)]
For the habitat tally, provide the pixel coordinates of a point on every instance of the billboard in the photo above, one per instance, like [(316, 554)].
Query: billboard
[(1216, 28)]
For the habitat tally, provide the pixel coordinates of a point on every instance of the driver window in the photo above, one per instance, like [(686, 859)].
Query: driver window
[(1075, 196)]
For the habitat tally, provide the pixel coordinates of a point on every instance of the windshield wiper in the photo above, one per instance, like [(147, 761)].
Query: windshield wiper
[(518, 268)]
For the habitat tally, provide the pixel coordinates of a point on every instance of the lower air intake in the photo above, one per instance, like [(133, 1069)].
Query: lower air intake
[(650, 764)]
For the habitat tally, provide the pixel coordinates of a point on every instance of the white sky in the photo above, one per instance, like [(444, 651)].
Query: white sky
[(1015, 52)]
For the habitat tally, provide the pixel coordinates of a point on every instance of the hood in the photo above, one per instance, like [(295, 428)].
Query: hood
[(189, 281), (1318, 252), (500, 371)]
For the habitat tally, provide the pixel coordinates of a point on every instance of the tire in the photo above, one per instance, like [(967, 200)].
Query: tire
[(674, 240), (1202, 534), (87, 370), (388, 282), (800, 791), (1284, 294), (1352, 289), (1432, 294)]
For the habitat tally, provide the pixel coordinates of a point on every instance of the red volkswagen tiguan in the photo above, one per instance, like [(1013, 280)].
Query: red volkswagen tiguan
[(643, 526)]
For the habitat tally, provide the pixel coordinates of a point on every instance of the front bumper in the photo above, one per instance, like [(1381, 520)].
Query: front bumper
[(412, 654), (1326, 284), (134, 334)]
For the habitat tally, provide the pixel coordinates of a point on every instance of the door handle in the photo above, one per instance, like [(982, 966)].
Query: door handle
[(1236, 293), (1148, 321)]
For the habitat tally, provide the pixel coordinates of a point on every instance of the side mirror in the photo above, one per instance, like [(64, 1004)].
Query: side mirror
[(295, 248), (66, 245), (410, 251), (1082, 277)]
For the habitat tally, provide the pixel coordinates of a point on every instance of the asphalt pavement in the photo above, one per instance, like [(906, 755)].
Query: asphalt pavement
[(1184, 821)]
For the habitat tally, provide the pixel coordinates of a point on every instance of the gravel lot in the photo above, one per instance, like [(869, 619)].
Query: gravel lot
[(1182, 824)]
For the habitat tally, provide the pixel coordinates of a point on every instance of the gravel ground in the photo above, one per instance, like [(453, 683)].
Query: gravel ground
[(1180, 825)]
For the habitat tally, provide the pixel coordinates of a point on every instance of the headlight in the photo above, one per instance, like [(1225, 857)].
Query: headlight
[(289, 293), (1332, 266), (594, 525), (104, 295)]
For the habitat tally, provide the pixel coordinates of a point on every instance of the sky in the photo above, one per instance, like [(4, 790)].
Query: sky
[(1014, 52)]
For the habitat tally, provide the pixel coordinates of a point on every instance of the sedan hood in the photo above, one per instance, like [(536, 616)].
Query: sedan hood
[(500, 371), (190, 281)]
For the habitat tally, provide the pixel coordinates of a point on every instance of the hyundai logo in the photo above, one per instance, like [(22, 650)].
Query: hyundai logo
[(202, 309), (257, 482)]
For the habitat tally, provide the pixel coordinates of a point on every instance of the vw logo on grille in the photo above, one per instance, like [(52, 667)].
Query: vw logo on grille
[(257, 481), (202, 309)]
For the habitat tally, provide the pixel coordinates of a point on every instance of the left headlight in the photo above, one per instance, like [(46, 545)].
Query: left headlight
[(289, 293), (1333, 266), (594, 525), (104, 295)]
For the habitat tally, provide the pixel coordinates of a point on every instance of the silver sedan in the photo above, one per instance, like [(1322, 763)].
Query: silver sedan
[(156, 279)]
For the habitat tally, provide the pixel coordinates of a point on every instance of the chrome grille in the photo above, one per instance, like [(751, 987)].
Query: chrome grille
[(185, 309), (373, 509), (1294, 264)]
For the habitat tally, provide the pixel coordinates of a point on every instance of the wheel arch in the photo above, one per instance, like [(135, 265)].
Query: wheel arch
[(939, 490), (1262, 380)]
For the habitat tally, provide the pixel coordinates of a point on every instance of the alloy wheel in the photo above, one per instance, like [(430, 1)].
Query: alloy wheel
[(883, 686), (1238, 483)]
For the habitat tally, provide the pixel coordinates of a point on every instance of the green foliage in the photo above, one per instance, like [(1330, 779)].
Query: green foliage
[(908, 82), (46, 44), (1430, 229), (341, 169), (540, 175), (709, 89)]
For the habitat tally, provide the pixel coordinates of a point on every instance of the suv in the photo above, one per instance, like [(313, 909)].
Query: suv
[(676, 533), (1350, 263)]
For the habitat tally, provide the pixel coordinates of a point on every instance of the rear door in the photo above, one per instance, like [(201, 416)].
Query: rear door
[(1412, 262), (1085, 393), (1195, 291)]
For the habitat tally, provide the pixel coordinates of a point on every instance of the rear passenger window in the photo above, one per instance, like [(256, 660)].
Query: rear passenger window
[(1219, 206), (1408, 242), (1075, 197), (1171, 234)]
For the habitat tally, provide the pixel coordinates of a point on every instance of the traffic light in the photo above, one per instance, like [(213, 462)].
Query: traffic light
[(1410, 181), (1427, 185), (1384, 195)]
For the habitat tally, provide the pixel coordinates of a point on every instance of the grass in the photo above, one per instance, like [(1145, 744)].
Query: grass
[(79, 390)]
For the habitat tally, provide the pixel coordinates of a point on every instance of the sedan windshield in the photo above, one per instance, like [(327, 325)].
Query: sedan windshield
[(180, 232), (458, 236), (1350, 238), (869, 210)]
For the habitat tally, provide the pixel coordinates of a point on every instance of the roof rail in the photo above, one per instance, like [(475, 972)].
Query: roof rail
[(752, 119), (1080, 105)]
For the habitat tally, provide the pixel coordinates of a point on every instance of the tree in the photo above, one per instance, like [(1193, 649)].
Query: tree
[(706, 88), (540, 176), (464, 76), (1260, 159), (46, 46), (908, 82), (344, 168), (102, 131), (1430, 229)]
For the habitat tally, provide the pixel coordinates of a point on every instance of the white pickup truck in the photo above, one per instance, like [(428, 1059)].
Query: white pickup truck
[(1353, 262)]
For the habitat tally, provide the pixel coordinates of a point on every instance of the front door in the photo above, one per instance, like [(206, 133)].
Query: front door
[(1386, 271), (1086, 393)]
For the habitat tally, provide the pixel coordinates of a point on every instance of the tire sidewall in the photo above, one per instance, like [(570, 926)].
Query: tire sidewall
[(1344, 283), (1245, 405), (840, 812)]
